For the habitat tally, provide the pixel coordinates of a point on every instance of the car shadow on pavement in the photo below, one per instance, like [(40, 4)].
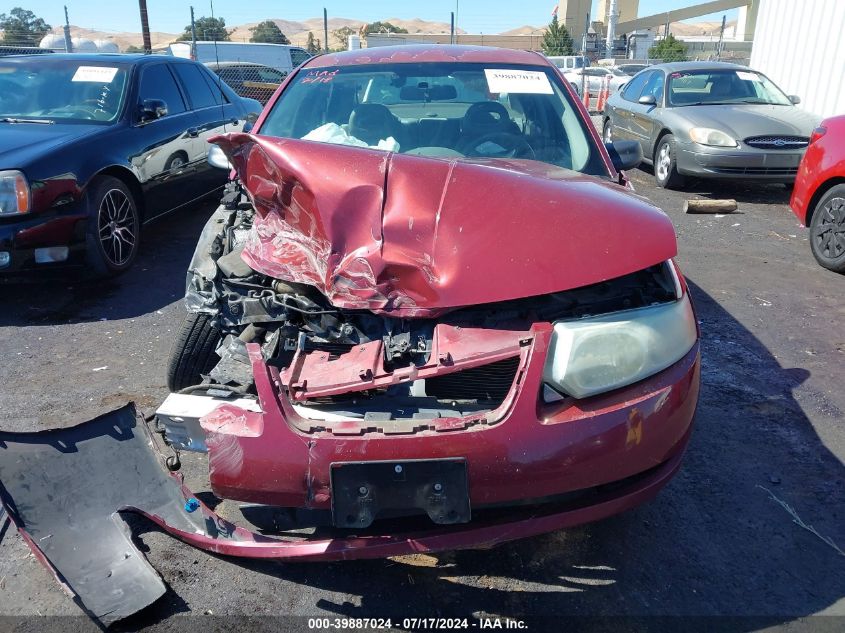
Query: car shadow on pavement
[(156, 279), (719, 540), (742, 192)]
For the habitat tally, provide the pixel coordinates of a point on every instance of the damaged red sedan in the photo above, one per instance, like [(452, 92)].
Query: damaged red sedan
[(429, 314)]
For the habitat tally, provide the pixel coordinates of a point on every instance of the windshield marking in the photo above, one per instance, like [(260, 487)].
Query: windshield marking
[(517, 81), (104, 74)]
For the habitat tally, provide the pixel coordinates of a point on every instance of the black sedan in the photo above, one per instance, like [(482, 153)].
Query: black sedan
[(92, 147)]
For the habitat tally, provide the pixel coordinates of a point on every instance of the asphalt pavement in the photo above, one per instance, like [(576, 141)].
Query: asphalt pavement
[(748, 536)]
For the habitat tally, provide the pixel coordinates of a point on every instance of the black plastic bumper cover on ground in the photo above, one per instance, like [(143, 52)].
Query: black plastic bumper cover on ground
[(63, 489)]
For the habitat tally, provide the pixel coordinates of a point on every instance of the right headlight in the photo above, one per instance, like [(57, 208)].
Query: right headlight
[(597, 354), (14, 193), (711, 137)]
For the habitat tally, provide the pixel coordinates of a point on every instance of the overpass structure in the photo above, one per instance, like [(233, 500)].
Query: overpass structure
[(573, 14), (745, 23)]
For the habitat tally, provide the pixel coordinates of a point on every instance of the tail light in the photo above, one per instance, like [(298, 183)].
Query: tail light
[(817, 134)]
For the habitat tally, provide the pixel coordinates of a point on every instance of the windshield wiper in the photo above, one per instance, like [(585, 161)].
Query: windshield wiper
[(9, 119), (698, 103)]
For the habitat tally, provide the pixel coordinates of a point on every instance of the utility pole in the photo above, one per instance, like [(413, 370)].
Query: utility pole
[(325, 30), (612, 18), (145, 26), (68, 41), (584, 54), (721, 40), (193, 36), (452, 30)]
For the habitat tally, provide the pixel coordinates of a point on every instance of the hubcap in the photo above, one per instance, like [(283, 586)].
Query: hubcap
[(116, 226), (176, 163), (830, 230), (664, 161)]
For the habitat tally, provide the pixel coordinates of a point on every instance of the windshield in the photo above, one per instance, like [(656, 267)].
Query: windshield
[(446, 110), (63, 90), (710, 87)]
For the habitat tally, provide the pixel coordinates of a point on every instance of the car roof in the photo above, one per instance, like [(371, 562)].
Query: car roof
[(125, 58), (215, 65), (419, 53), (672, 67)]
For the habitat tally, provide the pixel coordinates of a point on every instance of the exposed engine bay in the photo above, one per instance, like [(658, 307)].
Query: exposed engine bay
[(405, 368)]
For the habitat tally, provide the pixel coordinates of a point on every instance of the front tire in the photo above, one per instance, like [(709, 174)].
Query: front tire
[(607, 132), (194, 352), (827, 230), (665, 166), (114, 225)]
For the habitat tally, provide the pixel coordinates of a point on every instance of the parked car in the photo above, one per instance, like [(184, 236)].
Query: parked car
[(631, 69), (253, 81), (710, 120), (569, 62), (818, 198), (594, 78), (282, 57), (94, 146), (432, 314)]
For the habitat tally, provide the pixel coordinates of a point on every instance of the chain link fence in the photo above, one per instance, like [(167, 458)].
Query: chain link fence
[(22, 50), (253, 81)]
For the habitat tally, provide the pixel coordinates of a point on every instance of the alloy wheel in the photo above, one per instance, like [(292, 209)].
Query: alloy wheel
[(830, 231), (664, 161), (116, 227)]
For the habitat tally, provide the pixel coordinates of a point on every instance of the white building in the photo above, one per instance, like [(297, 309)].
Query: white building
[(798, 45)]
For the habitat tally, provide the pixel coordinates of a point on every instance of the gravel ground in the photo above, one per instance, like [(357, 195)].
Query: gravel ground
[(715, 542)]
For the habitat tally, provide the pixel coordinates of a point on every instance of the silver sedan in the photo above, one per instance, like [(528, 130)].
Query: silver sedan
[(710, 120)]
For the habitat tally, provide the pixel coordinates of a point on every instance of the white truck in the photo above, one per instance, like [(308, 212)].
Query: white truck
[(283, 57)]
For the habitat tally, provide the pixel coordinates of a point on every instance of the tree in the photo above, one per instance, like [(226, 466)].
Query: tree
[(208, 30), (268, 32), (669, 49), (381, 27), (556, 39), (341, 36), (134, 49), (312, 44), (22, 28)]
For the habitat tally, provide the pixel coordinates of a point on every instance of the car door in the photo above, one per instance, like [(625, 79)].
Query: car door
[(645, 117), (215, 114), (621, 110), (164, 141)]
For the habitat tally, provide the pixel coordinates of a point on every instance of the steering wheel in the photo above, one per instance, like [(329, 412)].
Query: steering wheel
[(512, 146), (485, 117)]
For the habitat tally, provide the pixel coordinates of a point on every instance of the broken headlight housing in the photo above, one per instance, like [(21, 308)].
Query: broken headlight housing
[(14, 193), (597, 354)]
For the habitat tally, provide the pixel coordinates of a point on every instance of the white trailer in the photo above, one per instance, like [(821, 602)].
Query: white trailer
[(280, 56), (797, 44)]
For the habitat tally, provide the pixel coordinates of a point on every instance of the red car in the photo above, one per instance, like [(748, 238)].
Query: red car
[(429, 314), (818, 198)]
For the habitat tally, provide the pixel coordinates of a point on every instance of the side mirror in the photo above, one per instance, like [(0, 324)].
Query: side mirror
[(794, 99), (152, 109), (625, 154), (217, 158), (647, 100), (247, 128)]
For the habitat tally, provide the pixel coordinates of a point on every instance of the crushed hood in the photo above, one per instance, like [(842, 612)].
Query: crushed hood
[(415, 236)]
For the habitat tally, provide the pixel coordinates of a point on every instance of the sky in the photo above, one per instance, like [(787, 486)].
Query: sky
[(473, 16)]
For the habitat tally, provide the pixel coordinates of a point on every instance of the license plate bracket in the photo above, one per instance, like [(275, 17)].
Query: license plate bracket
[(437, 487)]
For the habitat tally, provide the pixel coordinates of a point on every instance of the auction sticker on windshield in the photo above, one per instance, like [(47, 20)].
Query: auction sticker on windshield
[(746, 76), (100, 74), (518, 81)]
